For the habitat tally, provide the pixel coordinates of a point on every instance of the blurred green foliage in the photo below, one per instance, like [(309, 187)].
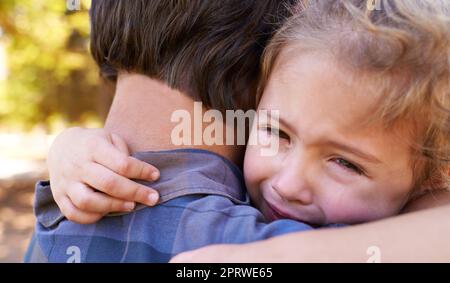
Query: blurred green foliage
[(51, 76)]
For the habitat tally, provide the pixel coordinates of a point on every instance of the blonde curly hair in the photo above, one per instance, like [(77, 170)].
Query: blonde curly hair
[(403, 46)]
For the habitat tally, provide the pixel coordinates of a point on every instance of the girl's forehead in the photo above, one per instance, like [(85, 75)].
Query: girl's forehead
[(313, 90)]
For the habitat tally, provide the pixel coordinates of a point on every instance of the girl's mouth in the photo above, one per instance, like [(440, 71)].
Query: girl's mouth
[(274, 213)]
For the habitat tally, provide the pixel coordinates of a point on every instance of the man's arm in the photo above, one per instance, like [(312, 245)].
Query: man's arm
[(413, 237)]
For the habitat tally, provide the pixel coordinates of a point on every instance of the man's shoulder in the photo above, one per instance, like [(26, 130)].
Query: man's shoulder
[(203, 201), (193, 171), (147, 234)]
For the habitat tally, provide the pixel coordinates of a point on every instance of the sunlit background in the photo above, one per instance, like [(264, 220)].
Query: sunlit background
[(47, 82)]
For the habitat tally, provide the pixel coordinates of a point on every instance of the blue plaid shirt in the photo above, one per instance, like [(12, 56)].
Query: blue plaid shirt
[(203, 201)]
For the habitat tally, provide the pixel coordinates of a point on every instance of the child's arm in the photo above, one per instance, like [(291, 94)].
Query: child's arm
[(81, 160), (413, 237)]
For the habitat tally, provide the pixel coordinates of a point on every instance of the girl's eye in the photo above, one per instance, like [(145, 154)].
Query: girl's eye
[(281, 134), (347, 165)]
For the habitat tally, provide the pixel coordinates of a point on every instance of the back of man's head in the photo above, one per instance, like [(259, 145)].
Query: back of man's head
[(208, 49)]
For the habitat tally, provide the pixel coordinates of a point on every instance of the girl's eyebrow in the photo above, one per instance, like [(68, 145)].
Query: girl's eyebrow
[(280, 119), (331, 143), (353, 150)]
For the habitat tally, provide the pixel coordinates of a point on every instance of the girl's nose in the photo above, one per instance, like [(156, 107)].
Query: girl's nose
[(292, 184)]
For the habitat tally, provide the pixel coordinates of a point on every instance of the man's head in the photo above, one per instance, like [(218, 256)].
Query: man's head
[(210, 50)]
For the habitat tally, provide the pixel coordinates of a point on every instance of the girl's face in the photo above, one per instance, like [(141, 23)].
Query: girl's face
[(328, 168)]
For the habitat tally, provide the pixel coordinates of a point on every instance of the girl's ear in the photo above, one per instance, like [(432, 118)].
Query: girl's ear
[(435, 182), (430, 199), (438, 180)]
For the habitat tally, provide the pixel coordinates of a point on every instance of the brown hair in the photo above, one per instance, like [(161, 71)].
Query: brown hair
[(404, 47), (208, 49)]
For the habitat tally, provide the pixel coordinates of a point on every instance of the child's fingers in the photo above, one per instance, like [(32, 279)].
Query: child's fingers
[(74, 214), (87, 200), (120, 144), (117, 186), (109, 156)]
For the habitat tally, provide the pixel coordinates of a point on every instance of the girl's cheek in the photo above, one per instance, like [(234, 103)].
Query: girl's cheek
[(343, 203), (251, 166), (257, 169), (353, 211)]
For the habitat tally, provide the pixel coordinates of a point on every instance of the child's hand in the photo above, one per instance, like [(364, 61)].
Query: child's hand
[(81, 161)]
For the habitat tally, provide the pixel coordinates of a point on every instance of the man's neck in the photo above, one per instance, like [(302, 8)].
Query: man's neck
[(141, 115)]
